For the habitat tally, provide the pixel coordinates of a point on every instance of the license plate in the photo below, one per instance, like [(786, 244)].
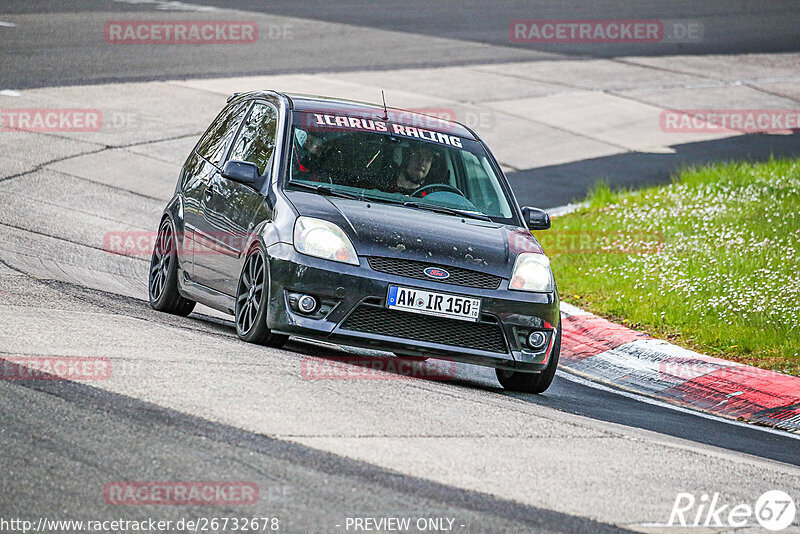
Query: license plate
[(433, 303)]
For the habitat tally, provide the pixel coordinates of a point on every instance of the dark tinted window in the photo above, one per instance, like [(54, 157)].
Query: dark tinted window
[(217, 138), (256, 141), (383, 160)]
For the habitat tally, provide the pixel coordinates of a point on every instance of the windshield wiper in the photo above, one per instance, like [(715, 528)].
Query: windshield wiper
[(327, 190), (449, 211), (383, 200)]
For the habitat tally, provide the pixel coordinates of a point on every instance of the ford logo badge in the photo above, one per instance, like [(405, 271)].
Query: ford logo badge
[(439, 274)]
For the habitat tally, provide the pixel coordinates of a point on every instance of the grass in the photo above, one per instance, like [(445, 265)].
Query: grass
[(710, 262)]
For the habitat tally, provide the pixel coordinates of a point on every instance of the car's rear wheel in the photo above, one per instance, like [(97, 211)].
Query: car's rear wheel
[(532, 382), (252, 295), (163, 279)]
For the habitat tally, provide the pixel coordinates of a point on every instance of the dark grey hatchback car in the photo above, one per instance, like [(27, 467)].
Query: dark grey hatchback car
[(360, 225)]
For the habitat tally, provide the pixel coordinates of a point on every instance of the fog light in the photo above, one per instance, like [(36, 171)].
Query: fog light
[(537, 340), (307, 304)]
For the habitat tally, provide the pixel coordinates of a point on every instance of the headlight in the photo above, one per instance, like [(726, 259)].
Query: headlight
[(532, 273), (323, 239)]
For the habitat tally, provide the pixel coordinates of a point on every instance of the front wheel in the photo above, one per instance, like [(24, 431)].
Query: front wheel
[(252, 295), (532, 382), (163, 279)]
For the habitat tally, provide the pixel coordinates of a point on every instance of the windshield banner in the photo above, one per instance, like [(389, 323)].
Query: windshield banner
[(362, 124)]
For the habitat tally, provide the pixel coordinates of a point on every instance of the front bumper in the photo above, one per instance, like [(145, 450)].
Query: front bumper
[(353, 312)]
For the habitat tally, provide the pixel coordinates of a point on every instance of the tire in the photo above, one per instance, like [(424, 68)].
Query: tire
[(163, 279), (532, 382), (252, 296)]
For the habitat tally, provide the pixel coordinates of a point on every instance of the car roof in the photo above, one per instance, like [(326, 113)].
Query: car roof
[(322, 104)]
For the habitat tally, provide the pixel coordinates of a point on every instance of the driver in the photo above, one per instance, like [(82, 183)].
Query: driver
[(415, 168), (308, 149)]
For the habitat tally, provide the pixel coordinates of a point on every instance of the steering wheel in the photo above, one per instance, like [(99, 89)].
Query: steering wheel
[(433, 188)]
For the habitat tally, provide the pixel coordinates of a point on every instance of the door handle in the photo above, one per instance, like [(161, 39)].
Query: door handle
[(210, 191)]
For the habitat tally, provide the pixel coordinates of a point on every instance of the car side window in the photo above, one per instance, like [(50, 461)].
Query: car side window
[(217, 138), (485, 193), (256, 141)]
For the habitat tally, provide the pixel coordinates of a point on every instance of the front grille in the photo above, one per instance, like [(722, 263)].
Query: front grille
[(371, 319), (415, 269)]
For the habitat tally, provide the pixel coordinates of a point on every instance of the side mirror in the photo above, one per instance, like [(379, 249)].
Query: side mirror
[(243, 172), (535, 218)]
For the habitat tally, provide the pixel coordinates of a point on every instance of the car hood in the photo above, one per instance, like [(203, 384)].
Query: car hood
[(387, 230)]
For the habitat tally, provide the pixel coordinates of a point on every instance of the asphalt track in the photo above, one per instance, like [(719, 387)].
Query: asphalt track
[(63, 441), (61, 43), (193, 403), (56, 43)]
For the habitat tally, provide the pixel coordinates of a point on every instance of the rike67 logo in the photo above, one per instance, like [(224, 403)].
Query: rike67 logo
[(774, 510)]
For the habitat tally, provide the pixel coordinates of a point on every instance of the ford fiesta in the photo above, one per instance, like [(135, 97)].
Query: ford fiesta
[(359, 225)]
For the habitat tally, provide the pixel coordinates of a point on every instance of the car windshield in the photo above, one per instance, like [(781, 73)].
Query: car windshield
[(385, 161)]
